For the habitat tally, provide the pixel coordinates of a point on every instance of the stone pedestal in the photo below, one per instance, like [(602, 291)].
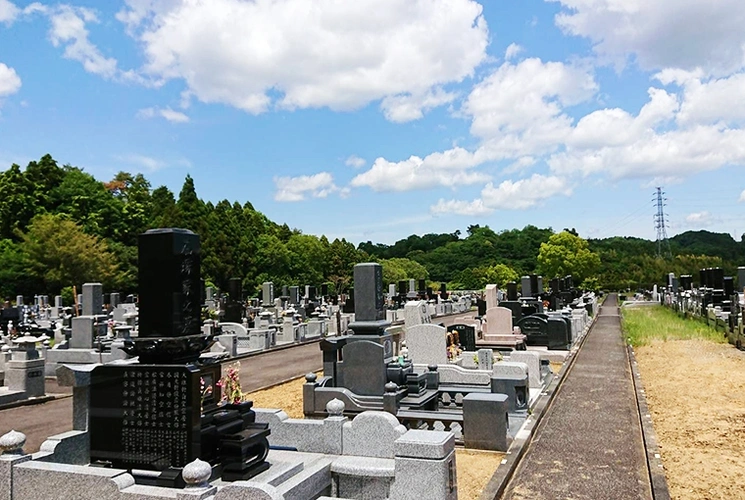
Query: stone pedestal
[(25, 375), (485, 421)]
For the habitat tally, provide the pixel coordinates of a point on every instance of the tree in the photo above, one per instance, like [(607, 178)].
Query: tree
[(16, 201), (60, 254), (566, 254), (395, 270)]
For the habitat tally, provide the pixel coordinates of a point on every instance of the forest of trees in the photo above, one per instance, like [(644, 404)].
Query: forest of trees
[(59, 226)]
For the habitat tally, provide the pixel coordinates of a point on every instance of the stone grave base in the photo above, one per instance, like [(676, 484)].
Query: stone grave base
[(292, 475), (7, 396), (552, 356)]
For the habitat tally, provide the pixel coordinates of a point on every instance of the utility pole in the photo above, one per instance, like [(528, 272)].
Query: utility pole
[(660, 224)]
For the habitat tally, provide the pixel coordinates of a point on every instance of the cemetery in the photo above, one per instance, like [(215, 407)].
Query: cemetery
[(411, 384), (146, 380)]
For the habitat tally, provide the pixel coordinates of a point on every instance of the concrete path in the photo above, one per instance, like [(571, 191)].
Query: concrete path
[(589, 444)]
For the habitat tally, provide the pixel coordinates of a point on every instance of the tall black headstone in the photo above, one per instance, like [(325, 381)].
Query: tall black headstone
[(151, 415), (324, 290), (422, 287), (729, 286), (717, 278), (147, 415), (169, 283), (686, 281), (512, 291)]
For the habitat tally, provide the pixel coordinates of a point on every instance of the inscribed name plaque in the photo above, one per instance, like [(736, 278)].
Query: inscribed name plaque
[(145, 417)]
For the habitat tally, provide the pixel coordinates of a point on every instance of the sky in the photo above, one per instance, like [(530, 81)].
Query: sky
[(378, 119)]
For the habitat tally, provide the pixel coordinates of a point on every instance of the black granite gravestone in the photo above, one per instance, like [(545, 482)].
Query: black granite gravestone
[(151, 415), (536, 330), (481, 307), (401, 289), (324, 290), (422, 288), (686, 282), (717, 278), (466, 336), (145, 416), (169, 281), (349, 302), (729, 286), (234, 308), (512, 291)]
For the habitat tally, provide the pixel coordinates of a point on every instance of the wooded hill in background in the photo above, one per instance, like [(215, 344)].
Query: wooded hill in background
[(60, 226)]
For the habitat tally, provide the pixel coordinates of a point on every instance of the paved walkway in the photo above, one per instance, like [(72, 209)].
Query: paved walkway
[(589, 444)]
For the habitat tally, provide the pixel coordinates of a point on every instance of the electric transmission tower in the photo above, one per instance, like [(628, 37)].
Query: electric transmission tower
[(660, 224)]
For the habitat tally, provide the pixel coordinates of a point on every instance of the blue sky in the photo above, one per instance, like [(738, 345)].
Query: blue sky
[(376, 119)]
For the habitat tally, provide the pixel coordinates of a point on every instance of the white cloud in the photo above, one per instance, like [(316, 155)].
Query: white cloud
[(299, 54), (520, 165), (408, 107), (472, 208), (619, 145), (151, 164), (513, 50), (69, 29), (355, 161), (661, 34), (8, 12), (742, 197), (524, 193), (10, 82), (509, 195), (713, 101), (447, 169), (517, 111), (167, 113), (701, 219), (299, 188)]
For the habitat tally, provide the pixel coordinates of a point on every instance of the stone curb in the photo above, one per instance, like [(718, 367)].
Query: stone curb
[(654, 461), (34, 401), (498, 482)]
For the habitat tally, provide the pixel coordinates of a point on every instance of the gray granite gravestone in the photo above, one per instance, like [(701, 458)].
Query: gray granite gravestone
[(364, 368), (369, 303), (92, 299)]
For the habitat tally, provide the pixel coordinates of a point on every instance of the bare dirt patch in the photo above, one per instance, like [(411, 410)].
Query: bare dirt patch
[(696, 394), (474, 468)]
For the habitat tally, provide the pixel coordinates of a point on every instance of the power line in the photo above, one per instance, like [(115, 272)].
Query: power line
[(660, 224)]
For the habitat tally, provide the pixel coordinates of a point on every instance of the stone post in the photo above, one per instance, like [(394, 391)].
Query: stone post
[(425, 466), (11, 446)]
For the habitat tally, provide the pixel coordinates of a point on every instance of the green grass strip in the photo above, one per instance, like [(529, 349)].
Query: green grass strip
[(643, 325)]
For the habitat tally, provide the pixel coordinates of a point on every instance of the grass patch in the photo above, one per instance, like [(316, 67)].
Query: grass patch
[(643, 325)]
